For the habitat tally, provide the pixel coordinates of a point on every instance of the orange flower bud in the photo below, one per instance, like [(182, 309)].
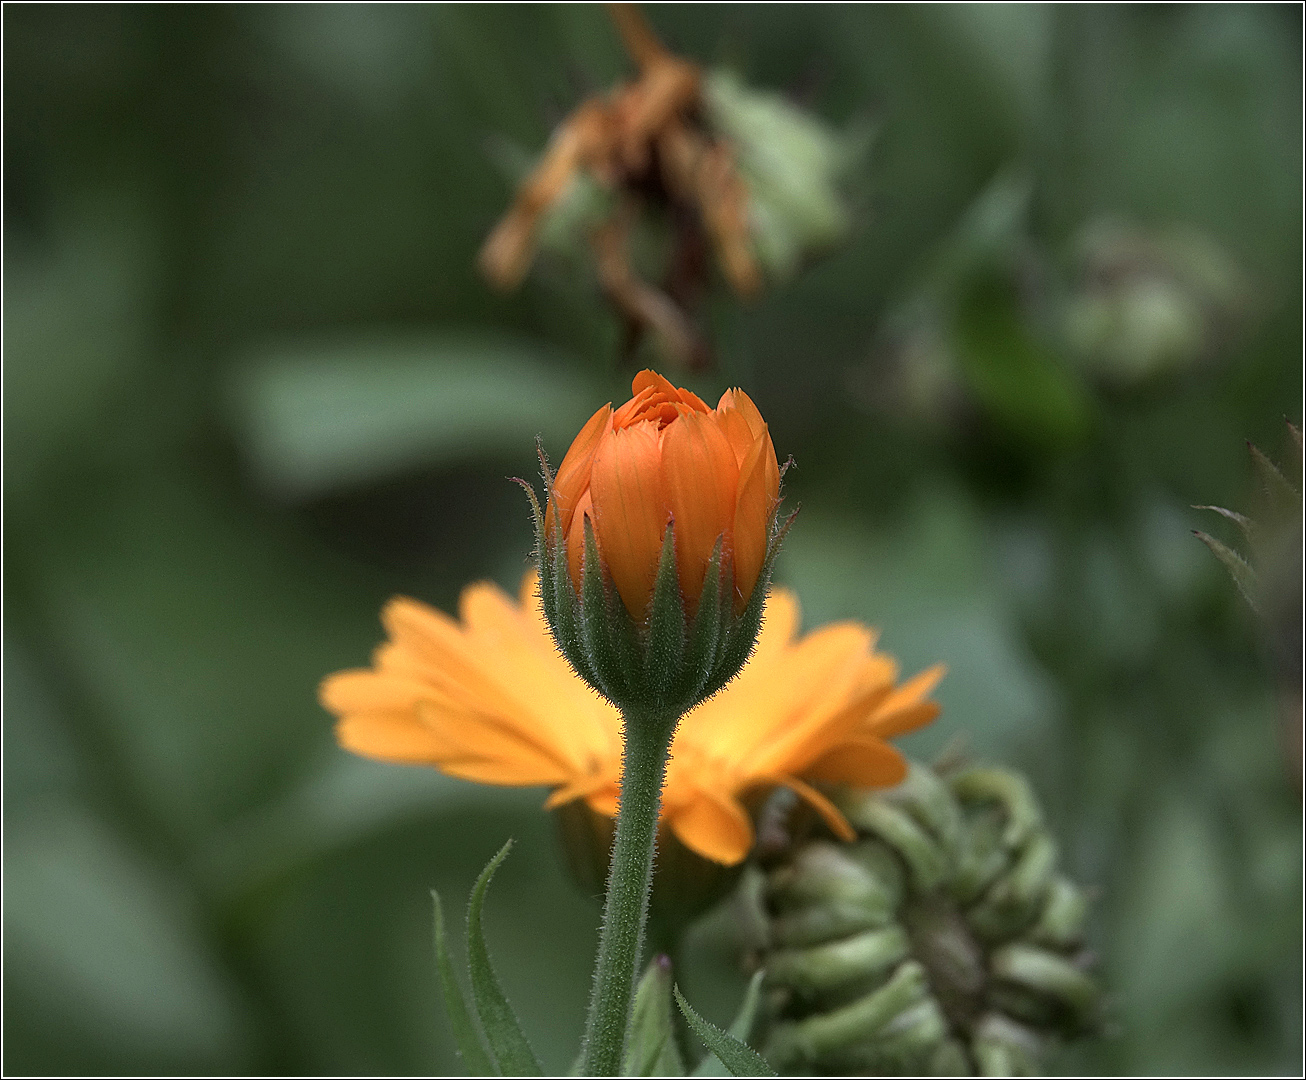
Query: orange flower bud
[(666, 458)]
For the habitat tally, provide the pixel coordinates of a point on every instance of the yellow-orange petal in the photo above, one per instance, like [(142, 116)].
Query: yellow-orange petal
[(573, 475), (753, 505), (860, 762), (605, 800), (630, 510), (904, 719), (398, 737), (699, 473), (715, 826), (830, 814), (363, 690)]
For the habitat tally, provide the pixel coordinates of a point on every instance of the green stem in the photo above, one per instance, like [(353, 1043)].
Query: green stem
[(644, 765)]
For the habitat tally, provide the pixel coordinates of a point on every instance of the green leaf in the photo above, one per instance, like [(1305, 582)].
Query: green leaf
[(651, 1041), (1242, 573), (475, 1059), (316, 417), (741, 1028), (507, 1043), (737, 1056)]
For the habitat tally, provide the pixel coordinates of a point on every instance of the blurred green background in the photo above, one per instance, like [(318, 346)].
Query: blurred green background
[(254, 387)]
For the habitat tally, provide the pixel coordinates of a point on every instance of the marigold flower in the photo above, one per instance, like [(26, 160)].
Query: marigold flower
[(665, 457), (490, 699)]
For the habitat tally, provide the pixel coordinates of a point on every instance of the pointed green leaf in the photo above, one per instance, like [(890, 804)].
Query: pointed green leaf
[(741, 1028), (504, 1034), (1243, 575), (651, 1041), (465, 1037), (738, 1057)]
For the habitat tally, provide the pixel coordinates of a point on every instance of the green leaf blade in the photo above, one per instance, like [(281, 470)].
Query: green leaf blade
[(504, 1034), (1241, 572), (475, 1059), (741, 1028), (738, 1057)]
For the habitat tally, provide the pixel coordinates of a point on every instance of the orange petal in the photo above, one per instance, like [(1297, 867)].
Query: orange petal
[(737, 399), (753, 505), (665, 390), (630, 510), (837, 823), (576, 537), (715, 827), (573, 474), (391, 736), (698, 469), (861, 763), (737, 430), (630, 412)]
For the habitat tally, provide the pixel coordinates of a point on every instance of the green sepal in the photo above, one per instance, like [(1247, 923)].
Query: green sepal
[(745, 626), (741, 1027), (502, 1031), (1243, 522), (1283, 499), (705, 634), (475, 1060), (738, 1057), (651, 1048), (665, 651), (600, 649)]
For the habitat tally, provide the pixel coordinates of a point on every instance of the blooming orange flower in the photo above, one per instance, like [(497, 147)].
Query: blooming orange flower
[(665, 456), (490, 699)]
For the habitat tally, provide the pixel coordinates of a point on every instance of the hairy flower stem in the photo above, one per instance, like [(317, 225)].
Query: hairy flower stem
[(644, 766)]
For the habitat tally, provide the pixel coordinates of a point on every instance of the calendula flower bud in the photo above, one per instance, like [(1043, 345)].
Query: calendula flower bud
[(656, 545), (942, 942)]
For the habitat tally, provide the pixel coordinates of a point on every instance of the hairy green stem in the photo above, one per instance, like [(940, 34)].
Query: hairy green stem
[(644, 765)]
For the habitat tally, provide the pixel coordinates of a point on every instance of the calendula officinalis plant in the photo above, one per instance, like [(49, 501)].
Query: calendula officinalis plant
[(654, 680)]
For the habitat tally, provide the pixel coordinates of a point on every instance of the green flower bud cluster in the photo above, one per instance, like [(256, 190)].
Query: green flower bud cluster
[(944, 941)]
